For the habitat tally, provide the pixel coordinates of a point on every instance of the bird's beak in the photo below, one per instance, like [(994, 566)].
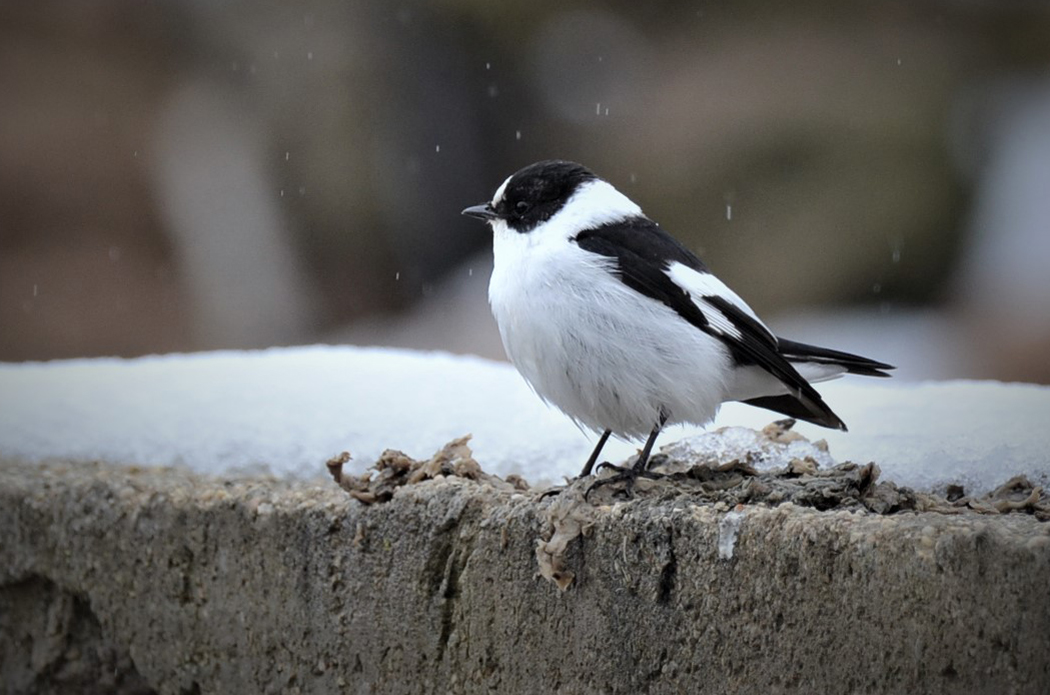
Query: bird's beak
[(482, 212)]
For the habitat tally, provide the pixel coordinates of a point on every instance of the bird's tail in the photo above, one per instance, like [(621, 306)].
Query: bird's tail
[(817, 364), (801, 354)]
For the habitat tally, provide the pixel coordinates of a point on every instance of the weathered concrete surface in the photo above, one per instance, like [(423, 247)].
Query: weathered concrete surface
[(143, 579)]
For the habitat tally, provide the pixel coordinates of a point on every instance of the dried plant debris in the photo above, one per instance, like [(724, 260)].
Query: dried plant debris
[(739, 472), (395, 469), (807, 482), (802, 482), (1017, 494), (567, 517)]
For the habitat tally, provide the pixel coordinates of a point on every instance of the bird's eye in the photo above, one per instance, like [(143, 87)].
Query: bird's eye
[(521, 207)]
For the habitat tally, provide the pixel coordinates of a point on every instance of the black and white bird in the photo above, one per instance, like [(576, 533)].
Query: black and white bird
[(615, 322)]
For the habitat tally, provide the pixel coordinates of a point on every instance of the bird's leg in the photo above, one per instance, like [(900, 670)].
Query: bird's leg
[(586, 467), (640, 467), (594, 454), (642, 463)]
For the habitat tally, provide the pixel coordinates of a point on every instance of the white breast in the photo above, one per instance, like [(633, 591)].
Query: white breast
[(607, 356)]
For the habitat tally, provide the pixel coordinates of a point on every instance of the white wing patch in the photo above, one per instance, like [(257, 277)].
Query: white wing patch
[(718, 321), (700, 285)]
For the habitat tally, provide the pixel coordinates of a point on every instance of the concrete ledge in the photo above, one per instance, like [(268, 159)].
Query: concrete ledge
[(134, 580)]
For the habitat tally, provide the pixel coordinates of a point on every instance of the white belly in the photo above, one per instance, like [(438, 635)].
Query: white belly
[(607, 356)]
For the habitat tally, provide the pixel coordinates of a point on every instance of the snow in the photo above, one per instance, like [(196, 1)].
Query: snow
[(285, 411), (928, 435)]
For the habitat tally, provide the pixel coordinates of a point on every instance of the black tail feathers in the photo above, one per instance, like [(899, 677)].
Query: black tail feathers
[(854, 364), (805, 407)]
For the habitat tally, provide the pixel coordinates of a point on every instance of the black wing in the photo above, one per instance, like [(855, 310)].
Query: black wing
[(644, 253)]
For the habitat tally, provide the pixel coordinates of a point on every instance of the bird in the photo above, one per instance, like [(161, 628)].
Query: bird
[(620, 326)]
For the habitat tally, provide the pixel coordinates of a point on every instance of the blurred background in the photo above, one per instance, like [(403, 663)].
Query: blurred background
[(192, 175)]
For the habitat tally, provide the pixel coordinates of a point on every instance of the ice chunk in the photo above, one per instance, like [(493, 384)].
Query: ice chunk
[(747, 446)]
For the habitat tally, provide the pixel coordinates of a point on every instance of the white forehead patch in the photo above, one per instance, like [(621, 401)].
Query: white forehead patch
[(500, 191)]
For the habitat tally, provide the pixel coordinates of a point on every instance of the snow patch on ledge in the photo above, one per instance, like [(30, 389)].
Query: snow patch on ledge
[(287, 410)]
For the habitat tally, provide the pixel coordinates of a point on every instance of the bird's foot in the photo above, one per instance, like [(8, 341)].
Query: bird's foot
[(624, 474), (552, 491)]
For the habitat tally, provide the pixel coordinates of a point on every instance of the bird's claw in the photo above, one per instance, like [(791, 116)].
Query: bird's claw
[(551, 492), (624, 474)]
